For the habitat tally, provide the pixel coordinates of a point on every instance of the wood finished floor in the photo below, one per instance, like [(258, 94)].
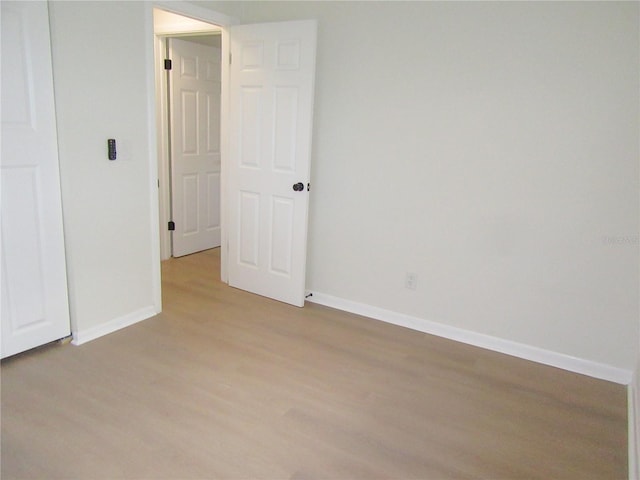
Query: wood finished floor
[(227, 385)]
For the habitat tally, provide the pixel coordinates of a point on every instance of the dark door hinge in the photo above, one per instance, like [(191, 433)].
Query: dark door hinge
[(167, 64), (172, 225)]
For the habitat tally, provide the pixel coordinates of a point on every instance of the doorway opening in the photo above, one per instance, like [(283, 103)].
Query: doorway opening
[(188, 79), (263, 219)]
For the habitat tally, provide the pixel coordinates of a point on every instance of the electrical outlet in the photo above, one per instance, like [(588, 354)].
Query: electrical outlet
[(411, 281)]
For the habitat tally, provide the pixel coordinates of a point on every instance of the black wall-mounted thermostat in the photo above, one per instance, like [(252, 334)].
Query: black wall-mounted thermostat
[(111, 147)]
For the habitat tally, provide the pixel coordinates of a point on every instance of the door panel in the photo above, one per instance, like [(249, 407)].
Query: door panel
[(282, 223), (213, 192), (195, 146), (34, 301), (271, 107), (249, 231)]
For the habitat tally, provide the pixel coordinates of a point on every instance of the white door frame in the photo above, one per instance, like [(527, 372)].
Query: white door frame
[(221, 20), (162, 121)]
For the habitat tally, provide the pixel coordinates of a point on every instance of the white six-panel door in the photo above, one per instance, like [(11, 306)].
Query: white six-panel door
[(34, 284), (194, 87), (271, 111)]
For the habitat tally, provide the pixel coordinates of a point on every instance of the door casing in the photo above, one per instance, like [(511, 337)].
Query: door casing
[(161, 121)]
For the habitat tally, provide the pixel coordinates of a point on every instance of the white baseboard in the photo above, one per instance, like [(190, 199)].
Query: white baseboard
[(634, 430), (84, 336), (527, 352)]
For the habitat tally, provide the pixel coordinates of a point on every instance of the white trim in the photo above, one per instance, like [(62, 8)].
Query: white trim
[(520, 350), (225, 120), (634, 429), (194, 11), (111, 326), (152, 163)]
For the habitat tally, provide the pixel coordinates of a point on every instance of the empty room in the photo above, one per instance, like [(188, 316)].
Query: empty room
[(421, 254)]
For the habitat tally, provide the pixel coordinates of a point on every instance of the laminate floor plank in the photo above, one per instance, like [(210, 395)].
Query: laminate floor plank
[(228, 385)]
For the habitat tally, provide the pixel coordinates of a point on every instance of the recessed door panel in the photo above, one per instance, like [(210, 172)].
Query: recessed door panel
[(249, 229), (21, 232), (251, 55), (250, 123), (288, 55), (191, 194), (17, 88), (189, 67), (285, 122), (212, 125), (213, 191), (189, 122), (282, 221)]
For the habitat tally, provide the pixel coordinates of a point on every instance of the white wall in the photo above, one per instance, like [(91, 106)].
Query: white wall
[(489, 147), (103, 76), (100, 50)]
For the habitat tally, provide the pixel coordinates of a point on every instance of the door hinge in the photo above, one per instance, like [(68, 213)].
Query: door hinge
[(167, 64), (229, 58), (172, 225)]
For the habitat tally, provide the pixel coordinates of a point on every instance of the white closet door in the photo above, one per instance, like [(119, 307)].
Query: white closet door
[(34, 285)]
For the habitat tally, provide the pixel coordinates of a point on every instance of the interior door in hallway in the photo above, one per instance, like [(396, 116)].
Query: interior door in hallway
[(194, 86), (35, 307), (271, 115)]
